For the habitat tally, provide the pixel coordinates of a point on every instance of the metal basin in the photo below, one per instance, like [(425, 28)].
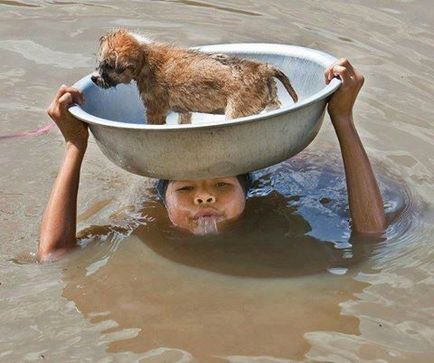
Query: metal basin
[(210, 146)]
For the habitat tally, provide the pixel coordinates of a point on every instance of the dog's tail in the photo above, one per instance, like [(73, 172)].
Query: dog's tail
[(285, 81)]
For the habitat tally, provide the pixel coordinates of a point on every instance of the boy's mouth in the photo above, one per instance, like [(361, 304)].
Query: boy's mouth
[(207, 213), (206, 221), (206, 225)]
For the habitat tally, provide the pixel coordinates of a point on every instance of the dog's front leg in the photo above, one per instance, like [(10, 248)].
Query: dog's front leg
[(184, 118), (156, 116)]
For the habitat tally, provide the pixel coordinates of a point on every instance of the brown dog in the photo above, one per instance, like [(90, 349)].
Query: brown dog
[(185, 81)]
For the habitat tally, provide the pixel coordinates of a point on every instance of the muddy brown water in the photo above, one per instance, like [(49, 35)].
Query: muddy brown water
[(287, 283)]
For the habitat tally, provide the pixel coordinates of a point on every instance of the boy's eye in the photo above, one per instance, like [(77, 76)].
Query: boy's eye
[(185, 189), (221, 184)]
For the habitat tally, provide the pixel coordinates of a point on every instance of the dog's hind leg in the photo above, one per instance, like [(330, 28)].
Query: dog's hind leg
[(236, 110), (274, 102), (184, 118)]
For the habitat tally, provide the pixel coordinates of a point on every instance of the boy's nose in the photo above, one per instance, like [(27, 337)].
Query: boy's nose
[(204, 199)]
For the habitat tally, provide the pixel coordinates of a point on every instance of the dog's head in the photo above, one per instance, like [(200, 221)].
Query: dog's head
[(120, 59)]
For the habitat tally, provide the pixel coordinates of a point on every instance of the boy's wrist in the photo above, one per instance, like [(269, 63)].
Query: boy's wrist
[(76, 147), (342, 120)]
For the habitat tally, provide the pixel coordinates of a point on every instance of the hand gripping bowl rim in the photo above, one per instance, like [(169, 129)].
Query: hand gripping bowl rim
[(317, 56)]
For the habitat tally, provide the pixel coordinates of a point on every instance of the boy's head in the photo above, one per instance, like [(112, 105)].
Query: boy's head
[(203, 206)]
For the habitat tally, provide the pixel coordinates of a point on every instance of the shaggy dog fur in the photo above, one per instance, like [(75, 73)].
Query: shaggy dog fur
[(185, 81)]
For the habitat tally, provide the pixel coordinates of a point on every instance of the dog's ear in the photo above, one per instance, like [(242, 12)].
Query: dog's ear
[(143, 59), (102, 39)]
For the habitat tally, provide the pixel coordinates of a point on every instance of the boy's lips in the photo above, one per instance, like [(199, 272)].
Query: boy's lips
[(207, 212)]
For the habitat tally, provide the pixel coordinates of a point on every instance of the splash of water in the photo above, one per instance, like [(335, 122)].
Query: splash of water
[(206, 225)]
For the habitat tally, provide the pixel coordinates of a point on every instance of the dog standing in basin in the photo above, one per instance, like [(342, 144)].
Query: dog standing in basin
[(186, 81)]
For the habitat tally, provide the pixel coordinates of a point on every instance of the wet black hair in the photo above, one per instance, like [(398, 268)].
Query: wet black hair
[(245, 181)]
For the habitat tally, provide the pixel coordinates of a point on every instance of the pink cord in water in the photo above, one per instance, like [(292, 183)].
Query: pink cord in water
[(41, 131)]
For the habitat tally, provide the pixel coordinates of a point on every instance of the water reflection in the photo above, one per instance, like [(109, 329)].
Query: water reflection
[(146, 301), (296, 223), (270, 240), (245, 292)]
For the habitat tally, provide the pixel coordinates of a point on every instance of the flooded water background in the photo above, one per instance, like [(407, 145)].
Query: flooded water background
[(137, 291)]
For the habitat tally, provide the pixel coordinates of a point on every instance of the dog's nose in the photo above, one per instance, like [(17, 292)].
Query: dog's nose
[(94, 78)]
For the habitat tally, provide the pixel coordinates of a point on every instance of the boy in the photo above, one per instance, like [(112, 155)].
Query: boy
[(202, 206)]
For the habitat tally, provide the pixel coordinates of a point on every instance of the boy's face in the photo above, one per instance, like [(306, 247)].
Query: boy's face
[(203, 206)]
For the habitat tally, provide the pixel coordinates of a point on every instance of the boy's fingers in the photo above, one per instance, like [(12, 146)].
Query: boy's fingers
[(341, 68), (77, 96), (328, 74), (65, 100), (345, 63), (342, 73), (60, 91), (336, 71)]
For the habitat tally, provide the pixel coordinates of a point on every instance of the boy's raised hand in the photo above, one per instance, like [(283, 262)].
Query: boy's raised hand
[(73, 130), (340, 106)]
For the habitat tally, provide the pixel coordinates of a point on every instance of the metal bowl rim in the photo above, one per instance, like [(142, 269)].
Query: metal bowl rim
[(252, 48)]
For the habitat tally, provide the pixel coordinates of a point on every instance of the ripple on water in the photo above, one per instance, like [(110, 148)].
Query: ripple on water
[(39, 54), (299, 204)]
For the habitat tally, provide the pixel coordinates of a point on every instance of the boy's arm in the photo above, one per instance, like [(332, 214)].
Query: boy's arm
[(58, 227), (365, 202)]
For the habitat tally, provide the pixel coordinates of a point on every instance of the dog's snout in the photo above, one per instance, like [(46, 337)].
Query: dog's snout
[(94, 78), (101, 80)]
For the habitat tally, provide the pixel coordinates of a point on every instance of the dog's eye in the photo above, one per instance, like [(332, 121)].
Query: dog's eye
[(120, 70)]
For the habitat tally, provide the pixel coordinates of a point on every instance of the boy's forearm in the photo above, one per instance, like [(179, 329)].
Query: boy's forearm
[(365, 201), (58, 229)]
